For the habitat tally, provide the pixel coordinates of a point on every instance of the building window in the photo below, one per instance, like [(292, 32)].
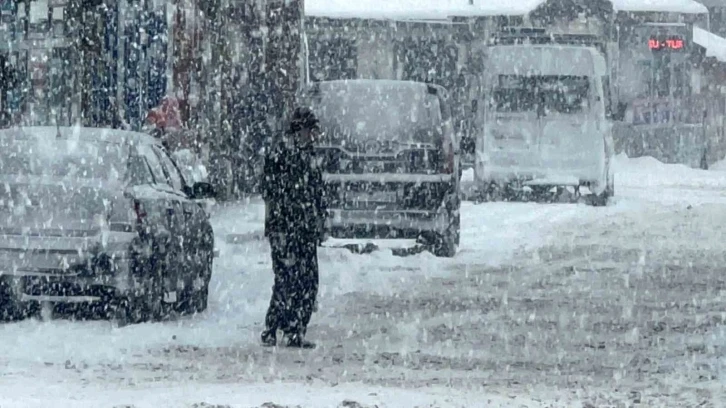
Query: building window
[(58, 21), (38, 22), (22, 20)]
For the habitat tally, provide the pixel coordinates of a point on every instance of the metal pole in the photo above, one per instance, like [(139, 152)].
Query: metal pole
[(284, 56), (274, 32)]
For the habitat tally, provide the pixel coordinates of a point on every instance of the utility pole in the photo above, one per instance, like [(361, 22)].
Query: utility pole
[(283, 57), (273, 30)]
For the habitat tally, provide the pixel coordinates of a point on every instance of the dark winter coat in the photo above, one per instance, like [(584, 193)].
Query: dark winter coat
[(294, 192)]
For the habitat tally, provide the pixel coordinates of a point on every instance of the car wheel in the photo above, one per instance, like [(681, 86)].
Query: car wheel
[(122, 311), (145, 302), (11, 308), (154, 299), (444, 246), (186, 303), (149, 304), (200, 298), (146, 306)]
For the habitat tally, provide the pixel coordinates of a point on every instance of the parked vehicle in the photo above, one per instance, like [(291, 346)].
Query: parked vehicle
[(102, 218), (391, 161), (544, 123)]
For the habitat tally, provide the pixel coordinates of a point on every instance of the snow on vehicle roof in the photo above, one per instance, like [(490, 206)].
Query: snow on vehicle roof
[(715, 46), (444, 9), (376, 82), (671, 6), (77, 132), (417, 9), (497, 8), (545, 60)]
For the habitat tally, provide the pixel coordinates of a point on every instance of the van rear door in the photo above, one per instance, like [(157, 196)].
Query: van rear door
[(512, 132), (569, 134)]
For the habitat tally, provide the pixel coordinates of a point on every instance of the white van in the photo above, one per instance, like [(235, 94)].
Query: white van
[(544, 120)]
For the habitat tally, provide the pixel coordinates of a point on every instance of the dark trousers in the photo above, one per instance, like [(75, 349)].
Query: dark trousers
[(295, 263)]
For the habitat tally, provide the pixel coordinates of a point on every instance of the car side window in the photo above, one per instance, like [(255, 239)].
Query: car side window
[(138, 172), (171, 170), (154, 164)]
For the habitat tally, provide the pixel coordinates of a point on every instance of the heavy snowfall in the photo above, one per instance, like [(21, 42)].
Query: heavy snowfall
[(615, 299), (546, 305)]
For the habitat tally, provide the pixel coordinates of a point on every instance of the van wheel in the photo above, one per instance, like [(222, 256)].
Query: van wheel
[(603, 198), (610, 190), (446, 245)]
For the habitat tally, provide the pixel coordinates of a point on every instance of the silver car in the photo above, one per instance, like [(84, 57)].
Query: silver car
[(97, 217)]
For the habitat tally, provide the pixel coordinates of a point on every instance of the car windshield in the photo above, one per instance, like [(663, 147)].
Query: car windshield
[(546, 94), (376, 111), (63, 159)]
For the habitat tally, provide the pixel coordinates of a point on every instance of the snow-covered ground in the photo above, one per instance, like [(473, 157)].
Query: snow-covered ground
[(558, 305)]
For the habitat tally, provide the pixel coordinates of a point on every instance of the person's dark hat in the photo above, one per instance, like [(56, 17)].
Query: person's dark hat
[(304, 119)]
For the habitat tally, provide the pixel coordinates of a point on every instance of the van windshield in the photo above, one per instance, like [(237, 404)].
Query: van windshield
[(382, 111), (542, 94)]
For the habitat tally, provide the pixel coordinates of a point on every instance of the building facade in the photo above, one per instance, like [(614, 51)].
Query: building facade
[(655, 73)]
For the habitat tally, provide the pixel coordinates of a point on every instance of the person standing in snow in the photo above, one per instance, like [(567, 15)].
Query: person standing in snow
[(293, 190)]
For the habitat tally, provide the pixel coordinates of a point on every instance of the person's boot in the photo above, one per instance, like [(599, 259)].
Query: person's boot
[(297, 341), (269, 338)]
